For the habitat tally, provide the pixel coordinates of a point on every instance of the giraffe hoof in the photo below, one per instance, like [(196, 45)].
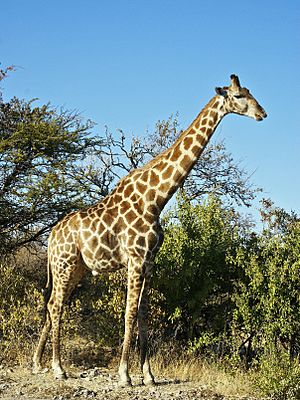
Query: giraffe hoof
[(39, 370), (61, 376), (126, 383), (149, 382)]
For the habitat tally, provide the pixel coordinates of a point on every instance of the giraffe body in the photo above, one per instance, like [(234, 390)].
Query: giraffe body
[(123, 230)]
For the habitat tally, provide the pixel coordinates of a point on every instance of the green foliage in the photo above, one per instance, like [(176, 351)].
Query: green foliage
[(267, 299), (20, 314), (96, 309), (192, 272), (278, 377)]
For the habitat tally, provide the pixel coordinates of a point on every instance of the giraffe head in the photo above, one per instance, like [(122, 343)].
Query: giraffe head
[(239, 100)]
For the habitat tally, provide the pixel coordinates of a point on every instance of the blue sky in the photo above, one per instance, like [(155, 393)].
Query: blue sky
[(127, 64)]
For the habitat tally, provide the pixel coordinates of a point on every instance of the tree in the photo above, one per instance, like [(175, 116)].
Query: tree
[(5, 71), (46, 169)]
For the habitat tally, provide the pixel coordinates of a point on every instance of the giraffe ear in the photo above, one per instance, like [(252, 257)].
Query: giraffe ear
[(221, 91)]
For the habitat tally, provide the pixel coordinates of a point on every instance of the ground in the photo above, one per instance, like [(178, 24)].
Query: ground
[(96, 383)]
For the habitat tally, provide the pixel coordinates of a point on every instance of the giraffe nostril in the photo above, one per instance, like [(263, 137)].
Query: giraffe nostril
[(263, 113)]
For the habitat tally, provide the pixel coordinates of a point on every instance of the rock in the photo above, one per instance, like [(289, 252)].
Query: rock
[(83, 392), (4, 386)]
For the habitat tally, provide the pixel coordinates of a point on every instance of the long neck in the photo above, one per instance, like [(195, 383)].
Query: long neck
[(168, 170), (150, 187)]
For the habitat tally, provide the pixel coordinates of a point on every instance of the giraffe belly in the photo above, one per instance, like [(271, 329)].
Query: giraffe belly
[(101, 261)]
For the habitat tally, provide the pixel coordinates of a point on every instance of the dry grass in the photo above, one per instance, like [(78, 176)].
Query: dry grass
[(228, 383), (234, 383), (169, 363)]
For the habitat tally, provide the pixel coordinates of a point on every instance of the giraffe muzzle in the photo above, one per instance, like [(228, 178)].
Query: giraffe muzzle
[(260, 116)]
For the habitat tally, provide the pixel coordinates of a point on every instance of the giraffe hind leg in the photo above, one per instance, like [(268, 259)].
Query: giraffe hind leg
[(54, 301), (71, 277), (55, 308), (37, 358), (148, 378), (136, 299)]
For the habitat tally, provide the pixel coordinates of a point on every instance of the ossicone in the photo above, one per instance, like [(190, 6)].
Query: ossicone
[(235, 82)]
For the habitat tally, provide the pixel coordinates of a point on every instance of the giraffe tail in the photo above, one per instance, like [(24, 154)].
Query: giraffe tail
[(48, 288)]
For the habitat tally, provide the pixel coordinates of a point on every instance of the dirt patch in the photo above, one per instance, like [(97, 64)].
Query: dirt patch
[(20, 383)]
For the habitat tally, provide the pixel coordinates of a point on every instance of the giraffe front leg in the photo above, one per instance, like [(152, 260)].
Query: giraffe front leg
[(143, 334), (133, 295)]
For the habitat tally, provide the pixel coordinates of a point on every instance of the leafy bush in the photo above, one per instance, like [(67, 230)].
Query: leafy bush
[(278, 377), (96, 309), (20, 318), (192, 272), (267, 301), (266, 311)]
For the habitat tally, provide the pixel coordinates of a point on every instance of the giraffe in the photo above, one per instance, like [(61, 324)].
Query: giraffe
[(123, 230)]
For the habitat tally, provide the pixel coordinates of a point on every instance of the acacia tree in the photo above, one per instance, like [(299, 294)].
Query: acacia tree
[(46, 169), (5, 71)]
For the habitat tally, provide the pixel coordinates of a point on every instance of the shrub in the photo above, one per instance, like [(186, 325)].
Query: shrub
[(192, 271), (278, 377), (20, 314)]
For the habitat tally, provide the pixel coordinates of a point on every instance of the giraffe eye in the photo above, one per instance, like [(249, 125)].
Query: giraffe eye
[(238, 96)]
